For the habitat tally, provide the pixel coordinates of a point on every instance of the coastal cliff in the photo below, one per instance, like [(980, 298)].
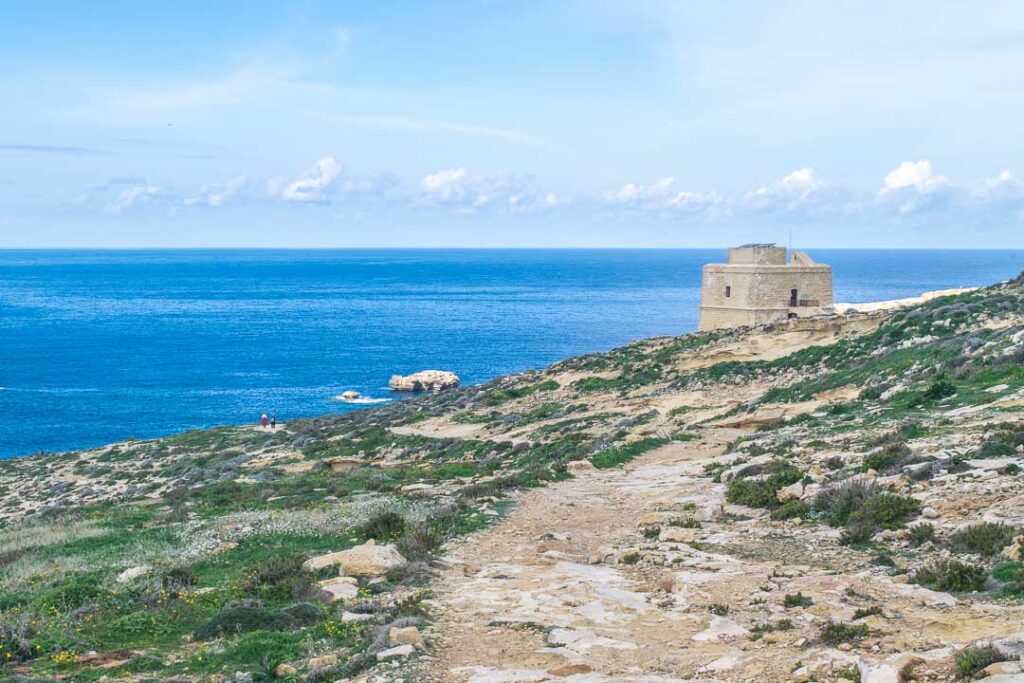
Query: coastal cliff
[(827, 499)]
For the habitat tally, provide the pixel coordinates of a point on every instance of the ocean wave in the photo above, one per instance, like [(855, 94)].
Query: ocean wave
[(361, 399)]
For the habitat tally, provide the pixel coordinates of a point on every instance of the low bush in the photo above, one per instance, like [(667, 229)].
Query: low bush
[(796, 600), (16, 634), (889, 458), (984, 538), (919, 534), (939, 389), (763, 492), (791, 509), (972, 660), (951, 575), (280, 578), (862, 612), (835, 633), (383, 527), (243, 619), (863, 510)]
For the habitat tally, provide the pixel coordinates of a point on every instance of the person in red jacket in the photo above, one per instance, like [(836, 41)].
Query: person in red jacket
[(263, 421)]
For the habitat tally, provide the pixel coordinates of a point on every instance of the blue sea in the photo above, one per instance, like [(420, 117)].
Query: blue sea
[(98, 346)]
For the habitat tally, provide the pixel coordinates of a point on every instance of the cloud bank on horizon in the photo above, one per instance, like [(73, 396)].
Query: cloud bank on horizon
[(519, 124)]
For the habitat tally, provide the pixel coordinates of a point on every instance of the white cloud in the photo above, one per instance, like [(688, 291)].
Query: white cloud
[(216, 194), (659, 195), (130, 197), (467, 193), (314, 184), (917, 175)]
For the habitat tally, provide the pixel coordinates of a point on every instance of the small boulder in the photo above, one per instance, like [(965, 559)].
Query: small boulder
[(132, 573), (349, 617), (410, 635), (871, 672), (225, 547), (675, 534), (368, 559), (791, 492), (579, 466), (322, 662), (333, 590), (285, 670), (571, 670), (395, 652), (1015, 550), (350, 395)]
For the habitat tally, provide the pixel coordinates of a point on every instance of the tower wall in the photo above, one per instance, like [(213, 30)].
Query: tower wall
[(751, 291)]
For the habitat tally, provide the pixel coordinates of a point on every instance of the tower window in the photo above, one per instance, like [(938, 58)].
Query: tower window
[(728, 291), (793, 298)]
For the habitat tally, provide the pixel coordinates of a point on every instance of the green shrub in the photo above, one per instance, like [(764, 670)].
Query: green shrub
[(280, 578), (796, 600), (383, 527), (835, 633), (889, 458), (984, 538), (791, 509), (972, 660), (1011, 574), (919, 534), (836, 503), (939, 389), (623, 454), (858, 506), (16, 633), (951, 575), (763, 492), (243, 619), (862, 612), (994, 449)]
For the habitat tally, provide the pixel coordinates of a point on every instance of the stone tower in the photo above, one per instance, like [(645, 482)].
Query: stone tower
[(757, 285)]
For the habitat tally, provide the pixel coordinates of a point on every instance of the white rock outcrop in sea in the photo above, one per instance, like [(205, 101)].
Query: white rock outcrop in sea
[(425, 380), (350, 395)]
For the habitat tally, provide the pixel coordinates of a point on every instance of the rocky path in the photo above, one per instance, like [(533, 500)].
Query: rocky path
[(568, 588)]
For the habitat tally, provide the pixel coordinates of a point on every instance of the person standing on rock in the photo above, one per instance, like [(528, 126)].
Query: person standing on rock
[(273, 422), (263, 420)]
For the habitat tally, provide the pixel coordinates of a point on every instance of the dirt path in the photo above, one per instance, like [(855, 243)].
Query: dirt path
[(568, 588)]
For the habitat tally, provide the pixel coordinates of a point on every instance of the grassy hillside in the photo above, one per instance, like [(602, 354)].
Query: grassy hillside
[(183, 557)]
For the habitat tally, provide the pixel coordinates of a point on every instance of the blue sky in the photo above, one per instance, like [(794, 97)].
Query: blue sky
[(642, 123)]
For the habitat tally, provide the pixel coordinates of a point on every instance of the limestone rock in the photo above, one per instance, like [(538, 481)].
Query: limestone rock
[(225, 547), (1014, 551), (322, 662), (284, 670), (791, 492), (426, 380), (350, 395), (571, 670), (347, 617), (410, 635), (1003, 669), (580, 466), (341, 588), (395, 652), (720, 630), (674, 534), (871, 672), (368, 559), (132, 573)]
